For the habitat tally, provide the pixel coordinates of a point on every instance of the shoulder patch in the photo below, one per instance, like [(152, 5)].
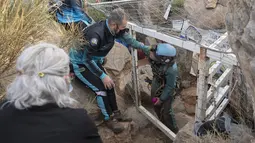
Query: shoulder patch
[(94, 42)]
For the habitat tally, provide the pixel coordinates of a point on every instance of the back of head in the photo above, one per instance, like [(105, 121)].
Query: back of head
[(165, 50), (117, 16), (42, 69), (163, 53)]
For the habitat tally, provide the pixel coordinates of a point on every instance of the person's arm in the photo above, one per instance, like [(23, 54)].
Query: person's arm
[(92, 47), (127, 38), (170, 82)]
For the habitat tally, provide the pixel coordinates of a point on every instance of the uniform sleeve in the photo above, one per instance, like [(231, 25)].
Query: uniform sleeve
[(93, 46), (127, 38), (170, 82)]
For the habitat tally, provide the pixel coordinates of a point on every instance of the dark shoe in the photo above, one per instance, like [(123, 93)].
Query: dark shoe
[(114, 125), (118, 116)]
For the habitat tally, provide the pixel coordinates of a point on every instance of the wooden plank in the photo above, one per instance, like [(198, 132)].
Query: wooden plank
[(157, 123), (229, 59), (174, 40), (222, 94), (167, 11), (213, 70), (220, 109), (210, 93), (218, 41), (135, 72), (111, 2), (224, 77), (202, 85)]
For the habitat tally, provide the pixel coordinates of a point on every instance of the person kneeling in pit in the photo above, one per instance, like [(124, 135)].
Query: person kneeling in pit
[(164, 68)]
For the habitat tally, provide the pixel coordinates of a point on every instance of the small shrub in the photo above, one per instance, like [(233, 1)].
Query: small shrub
[(178, 3)]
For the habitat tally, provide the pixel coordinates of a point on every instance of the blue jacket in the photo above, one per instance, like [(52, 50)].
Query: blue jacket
[(72, 12)]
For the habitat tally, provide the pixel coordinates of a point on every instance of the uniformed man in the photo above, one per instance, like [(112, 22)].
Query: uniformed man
[(87, 62), (164, 68)]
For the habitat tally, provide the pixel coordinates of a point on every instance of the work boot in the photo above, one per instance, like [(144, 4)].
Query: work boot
[(118, 116), (114, 125)]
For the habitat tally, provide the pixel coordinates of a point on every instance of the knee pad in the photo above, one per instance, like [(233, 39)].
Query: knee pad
[(101, 93)]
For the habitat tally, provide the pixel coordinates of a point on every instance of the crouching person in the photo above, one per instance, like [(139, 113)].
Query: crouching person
[(164, 68), (38, 107)]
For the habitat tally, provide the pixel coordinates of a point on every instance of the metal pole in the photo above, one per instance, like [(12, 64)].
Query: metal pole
[(135, 71)]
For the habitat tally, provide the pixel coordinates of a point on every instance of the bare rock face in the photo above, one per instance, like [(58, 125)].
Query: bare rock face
[(205, 18), (145, 89), (189, 98), (184, 62), (223, 2), (240, 21)]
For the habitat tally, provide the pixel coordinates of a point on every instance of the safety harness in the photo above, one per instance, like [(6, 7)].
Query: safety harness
[(161, 74)]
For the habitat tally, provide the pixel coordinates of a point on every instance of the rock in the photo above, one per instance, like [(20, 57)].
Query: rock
[(119, 67), (146, 69), (124, 137), (145, 90), (84, 96), (189, 95), (140, 121), (223, 2), (204, 18), (240, 134), (184, 62), (211, 4), (241, 34), (182, 119), (185, 83), (178, 105), (186, 134), (189, 98), (190, 108)]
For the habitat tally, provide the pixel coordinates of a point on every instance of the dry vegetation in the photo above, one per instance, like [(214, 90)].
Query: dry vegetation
[(24, 22)]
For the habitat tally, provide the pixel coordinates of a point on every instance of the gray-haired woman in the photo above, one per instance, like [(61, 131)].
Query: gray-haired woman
[(38, 108)]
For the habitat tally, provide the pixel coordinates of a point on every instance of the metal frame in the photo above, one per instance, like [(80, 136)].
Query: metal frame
[(202, 113), (205, 54), (139, 107)]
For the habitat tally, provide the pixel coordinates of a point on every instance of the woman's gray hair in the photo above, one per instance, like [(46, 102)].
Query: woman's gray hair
[(42, 68), (117, 16)]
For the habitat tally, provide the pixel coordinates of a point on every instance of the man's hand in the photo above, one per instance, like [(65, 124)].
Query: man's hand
[(104, 61), (108, 82), (152, 47), (159, 102)]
